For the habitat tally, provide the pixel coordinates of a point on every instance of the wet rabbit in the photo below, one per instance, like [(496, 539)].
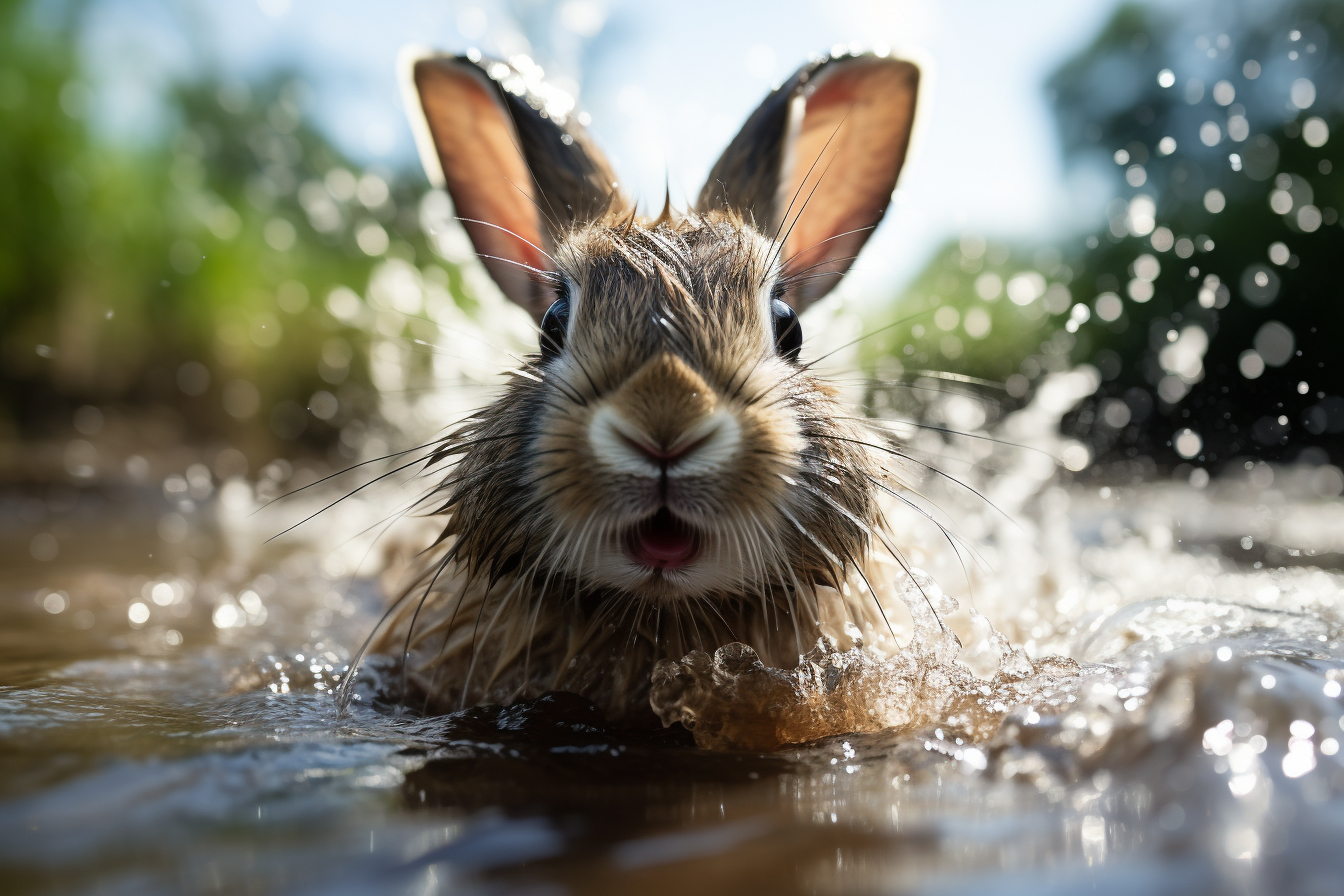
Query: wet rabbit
[(665, 473)]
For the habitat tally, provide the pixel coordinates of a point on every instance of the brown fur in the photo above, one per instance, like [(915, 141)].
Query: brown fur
[(526, 500), (529, 589)]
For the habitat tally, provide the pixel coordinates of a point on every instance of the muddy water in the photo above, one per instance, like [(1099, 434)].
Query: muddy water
[(1146, 698)]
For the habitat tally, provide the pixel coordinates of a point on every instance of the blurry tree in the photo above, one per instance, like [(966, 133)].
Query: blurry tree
[(983, 311), (214, 276), (1217, 120), (1208, 300)]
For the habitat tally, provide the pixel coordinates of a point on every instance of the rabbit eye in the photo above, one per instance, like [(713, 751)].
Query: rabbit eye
[(554, 326), (788, 331)]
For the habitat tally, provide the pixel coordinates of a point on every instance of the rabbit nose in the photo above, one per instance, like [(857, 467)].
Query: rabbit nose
[(701, 449), (665, 420), (667, 456)]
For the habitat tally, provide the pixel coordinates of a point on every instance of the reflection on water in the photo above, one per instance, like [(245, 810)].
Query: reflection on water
[(168, 726)]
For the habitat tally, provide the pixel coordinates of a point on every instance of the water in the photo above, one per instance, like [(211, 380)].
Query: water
[(1146, 699)]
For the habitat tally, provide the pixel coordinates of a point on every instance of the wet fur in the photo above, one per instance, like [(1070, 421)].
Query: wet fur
[(529, 588), (515, 610)]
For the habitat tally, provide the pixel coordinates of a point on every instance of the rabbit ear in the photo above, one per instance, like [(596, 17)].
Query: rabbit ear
[(520, 168), (815, 165)]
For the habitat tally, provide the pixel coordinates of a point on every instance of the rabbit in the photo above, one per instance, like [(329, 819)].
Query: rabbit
[(666, 473)]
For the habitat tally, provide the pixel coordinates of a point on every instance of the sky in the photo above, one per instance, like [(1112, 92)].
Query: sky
[(667, 85)]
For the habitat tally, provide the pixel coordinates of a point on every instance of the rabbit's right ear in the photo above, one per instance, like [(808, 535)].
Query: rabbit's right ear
[(520, 169), (815, 164)]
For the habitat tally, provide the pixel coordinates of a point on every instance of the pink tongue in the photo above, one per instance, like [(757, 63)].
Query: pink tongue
[(663, 543)]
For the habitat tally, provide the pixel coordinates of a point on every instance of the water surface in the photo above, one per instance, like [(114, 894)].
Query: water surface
[(167, 723)]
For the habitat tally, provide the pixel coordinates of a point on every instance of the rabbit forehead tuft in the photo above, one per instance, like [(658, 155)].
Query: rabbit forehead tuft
[(697, 285)]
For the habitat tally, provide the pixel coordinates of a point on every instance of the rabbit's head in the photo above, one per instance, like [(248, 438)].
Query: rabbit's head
[(667, 444)]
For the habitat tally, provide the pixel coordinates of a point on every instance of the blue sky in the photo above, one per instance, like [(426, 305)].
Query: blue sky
[(667, 85)]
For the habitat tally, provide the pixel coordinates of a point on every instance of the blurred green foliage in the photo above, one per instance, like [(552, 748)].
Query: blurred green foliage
[(981, 310), (188, 273), (1246, 227), (1216, 126)]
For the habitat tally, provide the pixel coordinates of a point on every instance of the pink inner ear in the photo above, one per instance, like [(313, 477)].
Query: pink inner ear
[(487, 177), (855, 128)]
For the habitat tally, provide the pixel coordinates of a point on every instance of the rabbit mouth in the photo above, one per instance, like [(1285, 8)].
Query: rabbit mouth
[(662, 542)]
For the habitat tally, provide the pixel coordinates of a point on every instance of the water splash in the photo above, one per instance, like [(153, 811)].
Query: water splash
[(733, 700)]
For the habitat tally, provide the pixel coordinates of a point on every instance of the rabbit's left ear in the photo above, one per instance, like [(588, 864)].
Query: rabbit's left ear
[(520, 168), (815, 165)]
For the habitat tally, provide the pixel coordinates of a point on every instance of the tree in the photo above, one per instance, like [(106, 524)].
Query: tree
[(1218, 252), (191, 274), (1208, 298)]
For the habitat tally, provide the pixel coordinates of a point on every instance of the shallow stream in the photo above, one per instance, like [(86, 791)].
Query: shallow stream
[(167, 723)]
